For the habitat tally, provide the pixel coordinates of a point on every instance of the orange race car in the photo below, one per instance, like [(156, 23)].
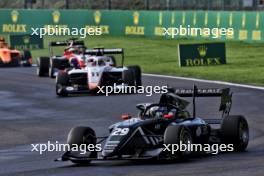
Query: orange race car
[(13, 57)]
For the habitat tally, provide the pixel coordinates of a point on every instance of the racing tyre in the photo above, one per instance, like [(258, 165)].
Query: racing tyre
[(82, 135), (234, 130), (1, 62), (176, 134), (137, 74), (128, 77), (16, 62), (62, 81), (27, 59), (51, 69), (43, 66)]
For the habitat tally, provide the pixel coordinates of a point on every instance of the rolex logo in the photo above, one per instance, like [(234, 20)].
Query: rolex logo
[(202, 50), (56, 16), (97, 17), (26, 39), (136, 18), (14, 16)]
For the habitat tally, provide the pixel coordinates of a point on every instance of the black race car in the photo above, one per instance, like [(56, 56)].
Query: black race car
[(159, 125)]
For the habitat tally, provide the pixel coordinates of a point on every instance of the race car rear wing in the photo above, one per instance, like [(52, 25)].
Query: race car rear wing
[(208, 92), (106, 51), (225, 94), (67, 43)]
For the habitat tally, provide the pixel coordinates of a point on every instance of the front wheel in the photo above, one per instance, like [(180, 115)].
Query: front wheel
[(27, 59), (62, 81), (80, 136), (43, 66), (178, 135), (137, 75), (128, 77)]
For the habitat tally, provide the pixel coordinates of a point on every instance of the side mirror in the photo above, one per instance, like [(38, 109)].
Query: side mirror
[(141, 107), (168, 116), (125, 116)]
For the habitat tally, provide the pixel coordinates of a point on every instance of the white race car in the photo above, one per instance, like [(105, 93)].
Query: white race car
[(101, 70)]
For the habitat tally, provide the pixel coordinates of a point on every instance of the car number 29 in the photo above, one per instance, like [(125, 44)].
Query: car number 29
[(120, 131)]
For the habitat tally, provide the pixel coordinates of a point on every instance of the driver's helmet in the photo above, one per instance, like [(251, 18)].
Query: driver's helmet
[(159, 112), (101, 62), (82, 49), (72, 49), (74, 63)]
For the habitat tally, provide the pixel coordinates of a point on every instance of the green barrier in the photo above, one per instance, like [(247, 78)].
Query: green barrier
[(248, 26)]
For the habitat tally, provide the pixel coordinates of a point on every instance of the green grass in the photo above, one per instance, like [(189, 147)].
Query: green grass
[(245, 61)]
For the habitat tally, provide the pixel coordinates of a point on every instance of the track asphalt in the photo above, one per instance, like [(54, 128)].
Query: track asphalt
[(30, 112)]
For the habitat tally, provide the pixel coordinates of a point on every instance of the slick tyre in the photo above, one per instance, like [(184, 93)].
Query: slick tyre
[(176, 134), (51, 69), (128, 77), (137, 75), (43, 66), (62, 81), (16, 62), (27, 58), (234, 130), (82, 135)]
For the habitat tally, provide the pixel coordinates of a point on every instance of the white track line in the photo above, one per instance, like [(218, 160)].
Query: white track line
[(206, 81), (200, 80)]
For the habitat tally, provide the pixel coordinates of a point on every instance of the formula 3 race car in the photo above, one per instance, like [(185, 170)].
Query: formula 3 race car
[(12, 57), (50, 66), (101, 70), (163, 123)]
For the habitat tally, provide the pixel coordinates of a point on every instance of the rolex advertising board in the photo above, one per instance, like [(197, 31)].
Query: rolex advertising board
[(22, 42), (247, 26), (203, 54)]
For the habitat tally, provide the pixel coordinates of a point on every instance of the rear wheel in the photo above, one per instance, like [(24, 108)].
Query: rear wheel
[(27, 58), (43, 66), (82, 135), (178, 134), (128, 77), (16, 61), (234, 130), (137, 75), (62, 81)]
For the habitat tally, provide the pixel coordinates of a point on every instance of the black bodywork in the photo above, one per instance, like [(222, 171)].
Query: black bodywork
[(143, 137)]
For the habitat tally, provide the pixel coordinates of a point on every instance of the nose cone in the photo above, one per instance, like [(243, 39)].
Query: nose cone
[(115, 142), (110, 148)]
